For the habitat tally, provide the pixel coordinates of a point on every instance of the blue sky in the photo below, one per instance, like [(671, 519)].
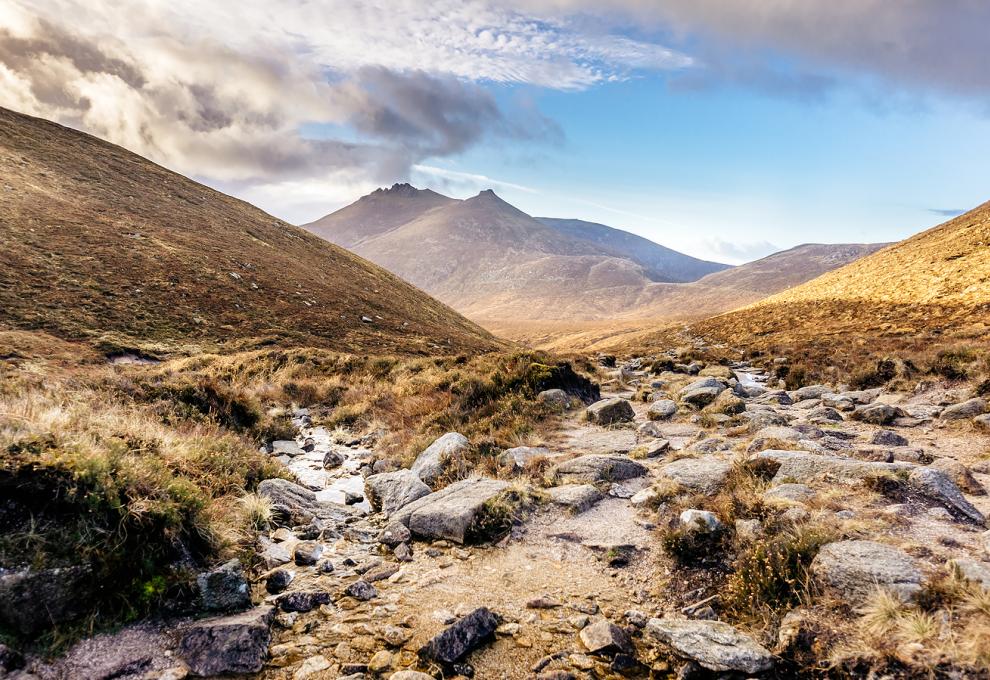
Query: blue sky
[(723, 128), (732, 174)]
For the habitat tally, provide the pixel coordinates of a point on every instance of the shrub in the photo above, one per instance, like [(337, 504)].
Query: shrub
[(876, 375), (771, 575), (695, 548), (953, 364)]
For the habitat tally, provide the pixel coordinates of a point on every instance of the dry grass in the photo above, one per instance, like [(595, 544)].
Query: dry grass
[(104, 246)]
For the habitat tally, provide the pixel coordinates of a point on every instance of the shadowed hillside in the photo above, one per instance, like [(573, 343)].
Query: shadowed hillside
[(101, 244)]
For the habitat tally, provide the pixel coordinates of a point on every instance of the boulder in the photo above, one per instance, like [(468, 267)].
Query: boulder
[(575, 497), (698, 474), (284, 447), (662, 409), (611, 411), (699, 520), (361, 590), (973, 570), (825, 414), (451, 512), (713, 645), (854, 569), (805, 467), (878, 414), (606, 638), (392, 491), (332, 460), (702, 392), (657, 448), (519, 456), (936, 486), (727, 404), (394, 534), (838, 402), (229, 644), (32, 600), (795, 493), (444, 458), (556, 399), (960, 474), (810, 392), (302, 600), (711, 445), (224, 589), (599, 468), (888, 438), (982, 422), (297, 504), (460, 638), (307, 553), (966, 410)]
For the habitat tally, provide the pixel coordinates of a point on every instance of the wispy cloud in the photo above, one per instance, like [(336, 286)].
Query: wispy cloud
[(446, 179), (946, 212), (738, 252)]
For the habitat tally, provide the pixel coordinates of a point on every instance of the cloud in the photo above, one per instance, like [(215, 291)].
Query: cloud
[(807, 48), (739, 252), (225, 95), (946, 212)]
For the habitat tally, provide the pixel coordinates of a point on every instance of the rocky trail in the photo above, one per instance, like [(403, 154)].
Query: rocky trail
[(557, 570)]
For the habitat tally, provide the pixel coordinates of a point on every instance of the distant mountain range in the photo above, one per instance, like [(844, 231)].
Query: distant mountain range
[(102, 245), (498, 265)]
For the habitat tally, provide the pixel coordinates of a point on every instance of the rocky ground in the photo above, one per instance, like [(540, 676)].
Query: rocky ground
[(568, 559)]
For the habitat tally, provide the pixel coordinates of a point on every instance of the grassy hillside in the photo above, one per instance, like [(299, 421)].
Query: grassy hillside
[(931, 290), (105, 246)]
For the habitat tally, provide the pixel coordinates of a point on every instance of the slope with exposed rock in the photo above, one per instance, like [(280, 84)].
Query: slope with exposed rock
[(103, 245)]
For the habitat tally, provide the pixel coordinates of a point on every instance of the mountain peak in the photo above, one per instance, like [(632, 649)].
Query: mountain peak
[(401, 189)]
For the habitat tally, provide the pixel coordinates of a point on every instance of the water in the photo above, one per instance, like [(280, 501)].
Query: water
[(330, 485)]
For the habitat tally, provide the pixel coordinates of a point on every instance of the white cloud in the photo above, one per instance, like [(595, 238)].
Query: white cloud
[(221, 92)]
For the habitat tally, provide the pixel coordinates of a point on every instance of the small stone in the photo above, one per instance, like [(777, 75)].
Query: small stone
[(460, 638), (700, 520), (311, 666), (361, 590), (543, 603), (278, 581), (605, 638), (302, 600), (307, 553), (380, 662), (611, 411), (332, 460), (403, 552)]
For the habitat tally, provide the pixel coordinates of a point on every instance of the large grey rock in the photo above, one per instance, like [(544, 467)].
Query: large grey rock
[(229, 644), (936, 486), (805, 467), (702, 392), (460, 638), (973, 570), (444, 458), (32, 600), (965, 410), (575, 497), (606, 638), (556, 398), (704, 475), (714, 645), (854, 569), (450, 513), (810, 392), (611, 411), (391, 491), (599, 468), (878, 414), (662, 409), (861, 396), (960, 474), (888, 438), (838, 402), (297, 503), (224, 589), (796, 493), (285, 447), (763, 419)]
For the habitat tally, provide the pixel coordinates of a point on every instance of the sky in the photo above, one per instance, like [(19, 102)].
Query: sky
[(726, 129)]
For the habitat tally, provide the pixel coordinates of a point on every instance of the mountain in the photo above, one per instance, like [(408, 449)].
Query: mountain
[(747, 283), (928, 290), (493, 262), (104, 245), (375, 214), (660, 263)]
